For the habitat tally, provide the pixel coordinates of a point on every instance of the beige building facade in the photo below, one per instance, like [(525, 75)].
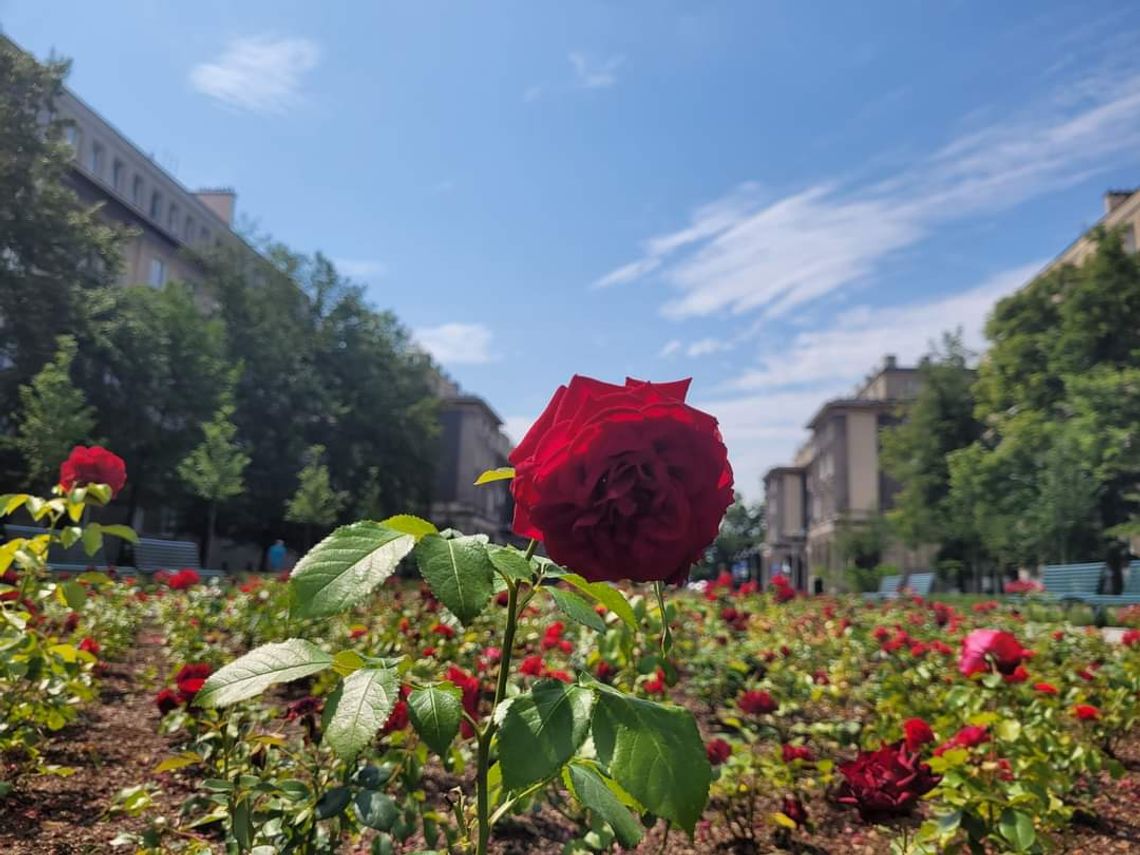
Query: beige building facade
[(836, 480), (1121, 211)]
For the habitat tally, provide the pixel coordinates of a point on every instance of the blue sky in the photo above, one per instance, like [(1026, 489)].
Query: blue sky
[(767, 197)]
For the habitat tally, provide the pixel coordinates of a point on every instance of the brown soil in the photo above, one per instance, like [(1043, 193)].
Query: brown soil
[(113, 745)]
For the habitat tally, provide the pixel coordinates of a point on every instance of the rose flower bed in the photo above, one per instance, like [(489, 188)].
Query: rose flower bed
[(512, 702)]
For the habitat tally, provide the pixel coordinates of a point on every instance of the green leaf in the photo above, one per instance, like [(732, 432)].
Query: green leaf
[(11, 502), (243, 825), (347, 661), (577, 609), (333, 802), (376, 810), (409, 524), (607, 595), (346, 566), (1017, 828), (510, 562), (1008, 730), (358, 709), (503, 473), (541, 730), (459, 573), (435, 713), (656, 754), (591, 790), (124, 532), (263, 666), (74, 595)]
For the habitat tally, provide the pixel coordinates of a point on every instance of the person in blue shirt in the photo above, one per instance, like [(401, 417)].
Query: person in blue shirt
[(276, 556)]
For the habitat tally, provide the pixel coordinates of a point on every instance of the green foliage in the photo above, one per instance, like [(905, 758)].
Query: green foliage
[(743, 527), (541, 730), (54, 416), (250, 675), (459, 572), (358, 709), (435, 713), (213, 470), (860, 543), (315, 502), (346, 567)]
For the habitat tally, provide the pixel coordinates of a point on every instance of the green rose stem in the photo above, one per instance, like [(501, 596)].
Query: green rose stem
[(666, 633), (485, 734)]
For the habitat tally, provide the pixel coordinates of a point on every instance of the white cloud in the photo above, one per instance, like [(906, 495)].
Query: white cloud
[(360, 269), (456, 343), (748, 254), (707, 346), (261, 74), (593, 73), (670, 348)]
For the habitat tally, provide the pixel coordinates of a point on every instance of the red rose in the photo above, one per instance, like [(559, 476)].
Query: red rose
[(622, 482), (1131, 638), (443, 630), (183, 579), (718, 751), (532, 666), (655, 685), (93, 465), (167, 701), (604, 671), (1019, 675), (190, 679), (885, 783), (985, 646), (757, 703), (90, 645), (469, 685), (791, 753), (970, 736), (72, 621), (1086, 712), (917, 733), (1045, 688), (560, 675)]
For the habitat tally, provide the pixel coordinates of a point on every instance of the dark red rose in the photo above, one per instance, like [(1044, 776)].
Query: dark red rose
[(917, 733), (757, 703), (469, 686), (443, 630), (718, 751), (93, 465), (985, 646), (604, 671), (305, 707), (167, 700), (1045, 688), (622, 482), (398, 719), (560, 675), (190, 679), (655, 685), (184, 579), (794, 810), (532, 666), (1131, 638), (886, 783), (72, 621)]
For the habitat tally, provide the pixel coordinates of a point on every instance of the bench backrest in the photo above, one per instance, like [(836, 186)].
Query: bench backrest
[(920, 583), (74, 556), (1072, 578), (155, 554), (889, 584), (1132, 583)]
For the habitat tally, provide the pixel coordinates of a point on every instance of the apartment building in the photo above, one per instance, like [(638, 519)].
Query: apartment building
[(836, 480), (1121, 211)]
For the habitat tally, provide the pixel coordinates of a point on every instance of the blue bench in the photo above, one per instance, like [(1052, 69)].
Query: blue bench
[(888, 589), (1130, 596), (919, 583), (889, 586), (1072, 582), (152, 553)]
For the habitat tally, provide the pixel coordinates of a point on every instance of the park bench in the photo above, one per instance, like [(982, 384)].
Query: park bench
[(72, 560), (919, 584), (1128, 597), (888, 589), (916, 583), (152, 553), (1072, 582)]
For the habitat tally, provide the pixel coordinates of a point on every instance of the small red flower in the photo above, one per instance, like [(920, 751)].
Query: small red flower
[(794, 810), (791, 753), (604, 671), (469, 685), (885, 783), (718, 751), (358, 632), (1086, 712), (72, 622), (757, 702), (1045, 688), (655, 685), (307, 706), (184, 579), (90, 645), (984, 647), (969, 736), (167, 701), (443, 630), (1131, 638), (1019, 675), (559, 675), (190, 679), (917, 733), (532, 666)]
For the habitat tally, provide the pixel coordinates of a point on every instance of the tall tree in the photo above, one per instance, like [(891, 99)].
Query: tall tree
[(315, 503), (1059, 396), (916, 453), (743, 527), (53, 248), (213, 470), (54, 416)]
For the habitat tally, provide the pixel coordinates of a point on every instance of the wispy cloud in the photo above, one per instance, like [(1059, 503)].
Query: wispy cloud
[(593, 73), (360, 269), (749, 252), (670, 348), (259, 74), (457, 343)]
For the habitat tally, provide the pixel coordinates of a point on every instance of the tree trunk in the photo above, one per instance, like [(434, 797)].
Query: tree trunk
[(211, 518)]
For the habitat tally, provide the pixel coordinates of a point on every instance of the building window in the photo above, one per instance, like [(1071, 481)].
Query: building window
[(95, 164), (172, 218), (137, 191), (204, 235), (71, 136), (188, 231), (157, 272), (117, 170), (1128, 239), (155, 205)]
